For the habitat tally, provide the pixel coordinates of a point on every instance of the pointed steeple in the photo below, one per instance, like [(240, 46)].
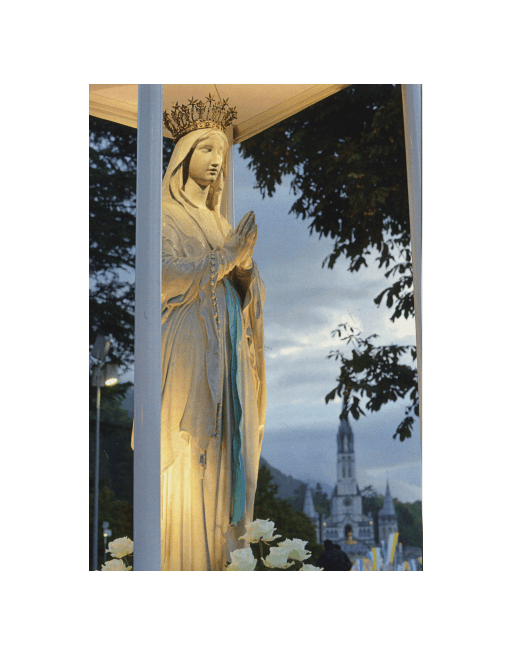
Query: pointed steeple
[(308, 506), (388, 508), (345, 438)]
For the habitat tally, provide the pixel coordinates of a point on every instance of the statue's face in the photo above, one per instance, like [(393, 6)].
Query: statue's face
[(207, 159)]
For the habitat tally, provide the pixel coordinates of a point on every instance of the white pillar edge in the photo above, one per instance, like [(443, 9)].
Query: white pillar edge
[(227, 202), (412, 111), (148, 274)]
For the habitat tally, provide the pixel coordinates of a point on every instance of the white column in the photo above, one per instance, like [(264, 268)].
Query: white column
[(413, 137), (227, 201), (148, 273)]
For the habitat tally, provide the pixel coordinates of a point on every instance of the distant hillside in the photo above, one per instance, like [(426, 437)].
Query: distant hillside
[(288, 487)]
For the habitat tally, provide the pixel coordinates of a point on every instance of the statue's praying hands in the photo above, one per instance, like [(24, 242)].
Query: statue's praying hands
[(247, 230)]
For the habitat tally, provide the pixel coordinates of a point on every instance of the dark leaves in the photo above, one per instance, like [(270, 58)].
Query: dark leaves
[(112, 186), (373, 376), (347, 158)]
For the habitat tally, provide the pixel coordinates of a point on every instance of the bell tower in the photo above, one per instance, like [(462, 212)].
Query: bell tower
[(346, 474), (387, 518), (346, 525), (346, 503)]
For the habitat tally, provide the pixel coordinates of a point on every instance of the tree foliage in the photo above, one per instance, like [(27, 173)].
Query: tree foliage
[(297, 501), (112, 188), (321, 501), (409, 517), (290, 524), (346, 156), (112, 180), (378, 374), (115, 503)]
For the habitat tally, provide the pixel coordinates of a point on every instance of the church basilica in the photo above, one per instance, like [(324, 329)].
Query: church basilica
[(347, 526)]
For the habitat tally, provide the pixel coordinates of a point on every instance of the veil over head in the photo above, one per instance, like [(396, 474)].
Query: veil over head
[(173, 184)]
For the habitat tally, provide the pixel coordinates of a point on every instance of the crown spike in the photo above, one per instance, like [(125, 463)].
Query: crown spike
[(197, 114)]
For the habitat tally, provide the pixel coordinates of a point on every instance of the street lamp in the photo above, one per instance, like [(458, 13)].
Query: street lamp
[(111, 374), (103, 375)]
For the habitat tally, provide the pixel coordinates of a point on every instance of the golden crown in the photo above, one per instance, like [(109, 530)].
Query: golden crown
[(197, 115)]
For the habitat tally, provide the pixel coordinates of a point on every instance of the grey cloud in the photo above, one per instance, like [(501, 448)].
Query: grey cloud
[(319, 383)]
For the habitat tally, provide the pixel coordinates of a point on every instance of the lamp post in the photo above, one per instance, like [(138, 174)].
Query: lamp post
[(103, 375)]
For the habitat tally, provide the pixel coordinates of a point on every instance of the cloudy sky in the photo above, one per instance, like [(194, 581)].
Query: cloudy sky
[(305, 303)]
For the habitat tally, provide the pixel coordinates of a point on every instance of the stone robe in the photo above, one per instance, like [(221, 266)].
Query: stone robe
[(197, 416)]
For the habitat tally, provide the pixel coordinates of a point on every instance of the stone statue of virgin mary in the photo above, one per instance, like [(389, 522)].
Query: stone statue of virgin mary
[(213, 377)]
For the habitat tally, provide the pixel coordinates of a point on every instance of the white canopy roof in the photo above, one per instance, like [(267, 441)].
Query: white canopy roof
[(258, 105)]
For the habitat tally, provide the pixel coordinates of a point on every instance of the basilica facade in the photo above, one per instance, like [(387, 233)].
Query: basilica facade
[(347, 525)]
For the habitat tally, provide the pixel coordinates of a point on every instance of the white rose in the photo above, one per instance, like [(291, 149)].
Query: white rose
[(121, 547), (310, 567), (242, 560), (296, 549), (277, 558), (115, 565), (260, 530)]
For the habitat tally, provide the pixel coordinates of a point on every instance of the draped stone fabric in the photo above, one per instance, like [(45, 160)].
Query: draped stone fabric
[(197, 413)]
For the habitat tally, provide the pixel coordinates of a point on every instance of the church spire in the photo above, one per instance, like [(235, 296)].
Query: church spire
[(346, 465), (388, 508), (345, 438), (308, 507)]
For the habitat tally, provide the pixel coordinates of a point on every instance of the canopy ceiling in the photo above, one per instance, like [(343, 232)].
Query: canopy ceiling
[(258, 105)]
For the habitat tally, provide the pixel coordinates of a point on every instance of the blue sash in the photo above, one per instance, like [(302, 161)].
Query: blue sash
[(238, 479)]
